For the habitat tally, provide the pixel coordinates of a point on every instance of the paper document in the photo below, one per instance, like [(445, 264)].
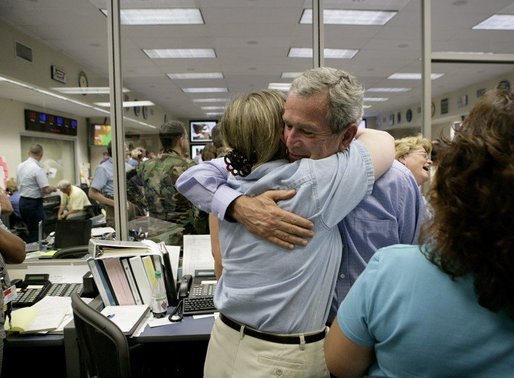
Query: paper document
[(46, 315), (197, 254), (99, 231)]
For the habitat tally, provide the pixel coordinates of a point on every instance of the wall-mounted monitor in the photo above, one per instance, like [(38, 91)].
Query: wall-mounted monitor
[(101, 135), (201, 131), (196, 150)]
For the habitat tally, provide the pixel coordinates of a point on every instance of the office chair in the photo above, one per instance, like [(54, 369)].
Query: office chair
[(103, 347), (72, 252)]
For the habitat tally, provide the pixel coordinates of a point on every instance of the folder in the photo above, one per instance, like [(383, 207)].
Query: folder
[(101, 281), (119, 282), (141, 279), (110, 248), (131, 280), (127, 318)]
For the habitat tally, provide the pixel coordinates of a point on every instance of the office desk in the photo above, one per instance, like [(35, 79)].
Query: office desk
[(188, 329), (181, 343), (40, 355), (34, 355)]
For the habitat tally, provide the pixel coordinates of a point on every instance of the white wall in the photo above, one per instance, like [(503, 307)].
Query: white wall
[(12, 126), (441, 123)]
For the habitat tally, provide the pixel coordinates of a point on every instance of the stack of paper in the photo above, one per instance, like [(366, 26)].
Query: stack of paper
[(50, 314)]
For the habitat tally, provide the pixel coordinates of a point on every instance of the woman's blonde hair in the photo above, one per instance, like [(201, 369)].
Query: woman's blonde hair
[(252, 125), (407, 145)]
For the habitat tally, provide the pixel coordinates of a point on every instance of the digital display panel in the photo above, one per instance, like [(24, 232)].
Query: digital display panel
[(50, 123)]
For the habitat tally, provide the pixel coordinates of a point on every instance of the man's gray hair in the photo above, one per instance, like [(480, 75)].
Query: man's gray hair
[(63, 184), (345, 94)]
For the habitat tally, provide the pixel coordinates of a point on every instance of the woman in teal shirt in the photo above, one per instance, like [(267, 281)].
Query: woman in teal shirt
[(444, 309)]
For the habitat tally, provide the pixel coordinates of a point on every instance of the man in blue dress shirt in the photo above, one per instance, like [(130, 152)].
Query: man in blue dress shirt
[(33, 185), (392, 214)]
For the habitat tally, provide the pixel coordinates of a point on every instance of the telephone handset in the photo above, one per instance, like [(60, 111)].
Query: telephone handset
[(33, 288), (184, 286)]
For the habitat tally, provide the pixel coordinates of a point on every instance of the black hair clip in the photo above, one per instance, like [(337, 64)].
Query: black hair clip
[(238, 164)]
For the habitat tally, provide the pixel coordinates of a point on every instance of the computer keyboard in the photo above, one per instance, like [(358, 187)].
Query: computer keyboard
[(64, 289), (199, 305), (31, 295)]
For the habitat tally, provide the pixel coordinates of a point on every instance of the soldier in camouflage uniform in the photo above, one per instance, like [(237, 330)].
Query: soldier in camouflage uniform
[(159, 176)]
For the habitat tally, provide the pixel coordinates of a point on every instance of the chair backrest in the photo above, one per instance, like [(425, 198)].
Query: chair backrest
[(103, 347), (72, 252)]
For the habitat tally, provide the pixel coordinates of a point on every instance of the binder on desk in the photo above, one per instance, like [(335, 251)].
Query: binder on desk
[(102, 282), (119, 282), (127, 318), (124, 271), (143, 284), (131, 280), (106, 248)]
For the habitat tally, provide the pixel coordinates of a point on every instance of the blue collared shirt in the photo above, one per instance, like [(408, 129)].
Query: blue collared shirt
[(289, 291), (31, 178), (103, 179), (391, 214)]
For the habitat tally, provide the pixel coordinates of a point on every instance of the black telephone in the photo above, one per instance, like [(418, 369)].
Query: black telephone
[(33, 288), (184, 286), (200, 299)]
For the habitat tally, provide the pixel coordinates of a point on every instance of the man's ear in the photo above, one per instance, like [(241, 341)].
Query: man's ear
[(348, 136)]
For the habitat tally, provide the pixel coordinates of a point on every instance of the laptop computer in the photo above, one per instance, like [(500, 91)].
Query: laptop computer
[(72, 233)]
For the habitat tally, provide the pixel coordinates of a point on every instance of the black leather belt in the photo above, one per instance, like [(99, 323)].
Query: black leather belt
[(281, 339)]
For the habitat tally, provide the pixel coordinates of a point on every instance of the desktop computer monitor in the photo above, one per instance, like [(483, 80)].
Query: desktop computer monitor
[(72, 233)]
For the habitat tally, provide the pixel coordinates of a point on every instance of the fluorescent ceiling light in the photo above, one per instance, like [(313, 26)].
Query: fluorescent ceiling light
[(51, 94), (366, 106), (204, 90), (375, 99), (127, 104), (213, 107), (210, 100), (392, 90), (206, 75), (413, 76), (290, 75), (179, 53), (180, 16), (141, 123), (279, 86), (89, 90), (214, 114), (350, 17), (497, 22), (301, 52), (80, 103)]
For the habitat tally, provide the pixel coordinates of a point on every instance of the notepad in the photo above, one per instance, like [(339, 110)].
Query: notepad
[(126, 317), (46, 315)]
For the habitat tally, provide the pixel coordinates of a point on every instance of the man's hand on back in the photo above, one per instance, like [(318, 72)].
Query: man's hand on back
[(262, 217)]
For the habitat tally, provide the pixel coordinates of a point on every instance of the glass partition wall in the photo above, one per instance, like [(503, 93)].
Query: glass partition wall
[(68, 62)]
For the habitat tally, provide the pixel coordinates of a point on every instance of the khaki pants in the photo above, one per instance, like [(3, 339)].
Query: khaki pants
[(231, 354)]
